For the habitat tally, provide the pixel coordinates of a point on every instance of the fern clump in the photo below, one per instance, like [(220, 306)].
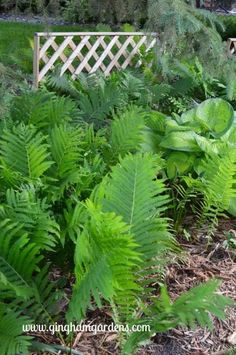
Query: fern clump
[(89, 177)]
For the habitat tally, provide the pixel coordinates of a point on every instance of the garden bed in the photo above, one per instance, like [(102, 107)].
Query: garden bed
[(199, 262)]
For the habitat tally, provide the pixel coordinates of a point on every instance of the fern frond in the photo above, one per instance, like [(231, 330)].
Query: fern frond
[(12, 340), (61, 84), (30, 105), (57, 111), (217, 184), (43, 109), (43, 305), (141, 203), (65, 146), (33, 215), (105, 258), (99, 102), (25, 152), (126, 131), (133, 85), (189, 309), (19, 258)]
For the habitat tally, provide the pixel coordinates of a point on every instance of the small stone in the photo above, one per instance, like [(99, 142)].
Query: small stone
[(232, 339)]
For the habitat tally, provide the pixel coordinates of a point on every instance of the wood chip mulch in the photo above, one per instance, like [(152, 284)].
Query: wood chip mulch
[(201, 260)]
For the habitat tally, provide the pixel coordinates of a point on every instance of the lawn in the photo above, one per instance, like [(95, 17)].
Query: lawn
[(16, 42)]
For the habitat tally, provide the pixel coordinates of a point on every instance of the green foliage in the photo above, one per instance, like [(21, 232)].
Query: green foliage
[(25, 208), (118, 11), (216, 183), (135, 220), (127, 131), (229, 27), (142, 204), (12, 340), (24, 154), (105, 259), (43, 109), (184, 30), (230, 239), (95, 200), (35, 6), (99, 102), (191, 308), (216, 116), (18, 259)]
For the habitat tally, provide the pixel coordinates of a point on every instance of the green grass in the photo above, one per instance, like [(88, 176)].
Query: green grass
[(16, 41)]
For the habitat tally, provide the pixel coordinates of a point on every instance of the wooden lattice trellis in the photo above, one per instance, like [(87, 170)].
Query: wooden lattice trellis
[(87, 51), (232, 45)]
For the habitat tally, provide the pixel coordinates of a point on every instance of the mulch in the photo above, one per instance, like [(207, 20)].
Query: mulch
[(201, 259)]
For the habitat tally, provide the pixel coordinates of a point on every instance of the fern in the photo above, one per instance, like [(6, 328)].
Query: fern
[(140, 202), (24, 152), (23, 285), (43, 306), (133, 85), (99, 102), (12, 340), (122, 252), (65, 145), (216, 184), (33, 215), (26, 107), (127, 131), (43, 109), (183, 196), (189, 309), (18, 259), (66, 149), (105, 259), (61, 84), (218, 179)]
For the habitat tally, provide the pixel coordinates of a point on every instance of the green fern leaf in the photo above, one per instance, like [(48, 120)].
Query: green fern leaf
[(18, 259), (65, 145), (126, 131), (25, 152), (140, 202), (12, 341), (189, 309), (33, 215), (43, 109), (105, 259)]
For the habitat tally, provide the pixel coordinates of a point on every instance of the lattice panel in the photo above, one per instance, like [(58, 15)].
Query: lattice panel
[(88, 51), (232, 45)]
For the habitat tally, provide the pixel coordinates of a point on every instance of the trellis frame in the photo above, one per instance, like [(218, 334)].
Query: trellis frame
[(133, 40), (232, 45)]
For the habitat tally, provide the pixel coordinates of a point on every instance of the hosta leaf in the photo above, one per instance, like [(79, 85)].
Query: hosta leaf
[(184, 141), (216, 116), (209, 146), (188, 116), (232, 206), (179, 163), (230, 135), (151, 141)]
